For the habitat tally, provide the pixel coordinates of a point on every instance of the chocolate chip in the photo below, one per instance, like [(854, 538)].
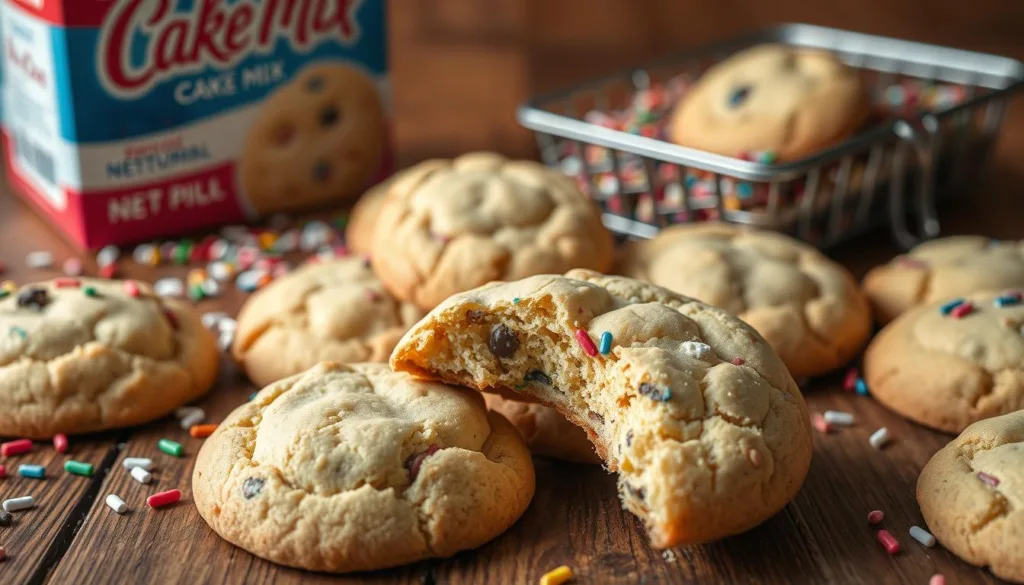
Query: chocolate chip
[(321, 171), (654, 393), (252, 487), (37, 298), (503, 341), (739, 95), (315, 83), (474, 316), (328, 116), (537, 376), (629, 438), (414, 462), (5, 518)]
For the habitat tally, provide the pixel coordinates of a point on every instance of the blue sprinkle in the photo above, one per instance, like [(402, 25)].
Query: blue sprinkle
[(36, 471), (738, 96), (948, 307), (667, 395), (745, 190), (515, 300), (606, 343), (15, 330), (253, 396), (1008, 300), (862, 387), (690, 181)]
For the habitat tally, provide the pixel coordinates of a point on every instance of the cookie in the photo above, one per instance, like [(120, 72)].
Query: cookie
[(355, 468), (84, 355), (971, 495), (785, 101), (315, 140), (546, 432), (944, 268), (949, 364), (808, 307), (707, 430), (333, 310), (452, 225), (363, 219)]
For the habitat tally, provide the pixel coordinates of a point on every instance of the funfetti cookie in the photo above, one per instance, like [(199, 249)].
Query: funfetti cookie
[(944, 268), (354, 468), (363, 219), (951, 363), (83, 355), (452, 225), (315, 140), (331, 310), (546, 431), (808, 307), (707, 430), (971, 495), (780, 103)]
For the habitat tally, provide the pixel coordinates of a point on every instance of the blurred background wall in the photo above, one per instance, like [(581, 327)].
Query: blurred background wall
[(460, 67)]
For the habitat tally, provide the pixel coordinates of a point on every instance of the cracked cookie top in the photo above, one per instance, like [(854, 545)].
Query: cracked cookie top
[(693, 409), (351, 468), (452, 225), (951, 363), (807, 306), (333, 310), (971, 495), (942, 269), (81, 355)]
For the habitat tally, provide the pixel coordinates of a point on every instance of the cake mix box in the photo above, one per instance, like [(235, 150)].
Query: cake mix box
[(126, 120)]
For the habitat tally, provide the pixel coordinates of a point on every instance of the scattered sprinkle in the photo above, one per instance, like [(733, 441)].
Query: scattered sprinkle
[(79, 468), (18, 447), (116, 504), (738, 361), (654, 393), (202, 431), (72, 267), (557, 576), (515, 300), (850, 380), (989, 480), (820, 424), (606, 343), (170, 447), (191, 417), (372, 295), (937, 579), (39, 259), (67, 282), (838, 417), (879, 438), (146, 254), (16, 504), (130, 463), (923, 536), (947, 308), (1008, 299), (163, 499), (892, 546), (695, 349), (33, 471), (107, 256), (962, 310), (862, 387), (253, 396), (90, 291), (131, 288), (141, 475), (583, 338), (60, 442), (109, 271), (875, 517)]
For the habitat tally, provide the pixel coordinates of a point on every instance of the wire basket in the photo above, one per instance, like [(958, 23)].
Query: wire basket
[(939, 112)]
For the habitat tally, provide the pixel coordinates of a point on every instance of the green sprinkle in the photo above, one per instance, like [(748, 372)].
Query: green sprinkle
[(89, 291), (79, 468), (170, 447), (195, 292), (515, 300), (253, 396), (606, 343), (4, 292), (182, 252)]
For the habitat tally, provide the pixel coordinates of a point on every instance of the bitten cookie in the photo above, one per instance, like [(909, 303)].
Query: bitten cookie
[(808, 307), (707, 430), (972, 495), (449, 226), (317, 139), (786, 101), (949, 364), (83, 355), (354, 468), (546, 432), (944, 269), (333, 310)]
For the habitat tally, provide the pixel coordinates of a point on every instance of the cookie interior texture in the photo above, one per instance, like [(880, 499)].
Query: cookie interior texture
[(808, 307), (330, 310), (82, 355), (547, 433), (704, 448), (352, 468), (972, 495), (945, 371), (942, 269)]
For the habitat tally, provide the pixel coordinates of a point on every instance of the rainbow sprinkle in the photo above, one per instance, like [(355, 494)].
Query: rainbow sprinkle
[(606, 343), (987, 479), (586, 343), (948, 307), (1008, 299), (89, 291), (962, 310)]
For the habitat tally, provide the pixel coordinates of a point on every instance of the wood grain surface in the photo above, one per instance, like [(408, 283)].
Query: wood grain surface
[(461, 67)]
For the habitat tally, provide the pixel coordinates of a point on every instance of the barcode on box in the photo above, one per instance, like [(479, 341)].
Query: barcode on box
[(36, 157)]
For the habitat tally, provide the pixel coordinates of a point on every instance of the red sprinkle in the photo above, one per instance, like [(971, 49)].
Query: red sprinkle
[(3, 553), (820, 423), (416, 461), (892, 546), (131, 288), (875, 517), (15, 447), (163, 498), (991, 480), (108, 271), (60, 442), (67, 283), (171, 317), (3, 471), (586, 343), (962, 310), (850, 381), (738, 362), (937, 579)]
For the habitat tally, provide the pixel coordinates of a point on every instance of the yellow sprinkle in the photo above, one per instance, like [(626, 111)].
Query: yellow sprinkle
[(196, 276), (267, 239), (558, 576), (732, 204), (9, 286)]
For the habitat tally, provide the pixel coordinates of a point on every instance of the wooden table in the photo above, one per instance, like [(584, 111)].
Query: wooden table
[(575, 518)]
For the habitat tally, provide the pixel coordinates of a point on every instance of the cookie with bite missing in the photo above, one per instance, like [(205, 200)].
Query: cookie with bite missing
[(547, 433), (699, 417)]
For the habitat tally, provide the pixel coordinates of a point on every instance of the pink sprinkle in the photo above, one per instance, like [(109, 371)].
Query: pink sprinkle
[(131, 288), (108, 271), (72, 267), (340, 251), (372, 295), (990, 480), (820, 424), (60, 442), (892, 546), (586, 343), (937, 579), (3, 471), (416, 461), (850, 381), (738, 361), (67, 283), (15, 447), (875, 517), (962, 310)]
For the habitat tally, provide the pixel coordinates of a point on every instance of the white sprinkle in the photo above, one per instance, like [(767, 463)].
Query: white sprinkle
[(220, 270), (288, 242), (325, 253), (249, 280), (72, 267), (193, 418), (228, 324), (695, 349), (39, 259), (183, 411), (923, 536), (213, 319), (571, 166), (226, 340), (838, 417), (141, 475), (314, 234), (169, 287), (22, 503), (107, 256), (218, 249), (117, 504), (140, 462), (879, 438), (144, 253), (210, 287)]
